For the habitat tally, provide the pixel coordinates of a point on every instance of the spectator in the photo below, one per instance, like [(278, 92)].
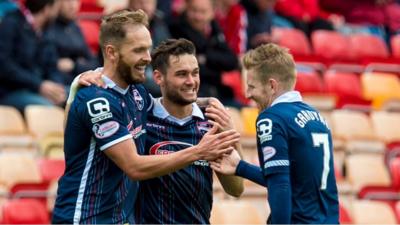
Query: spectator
[(232, 18), (74, 54), (260, 13), (159, 32), (28, 71), (304, 14), (197, 24), (372, 14)]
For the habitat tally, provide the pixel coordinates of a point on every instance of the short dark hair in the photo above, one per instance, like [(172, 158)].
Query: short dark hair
[(175, 47), (113, 26), (36, 6)]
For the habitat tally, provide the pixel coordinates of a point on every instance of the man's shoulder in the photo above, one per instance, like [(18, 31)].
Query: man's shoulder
[(92, 92)]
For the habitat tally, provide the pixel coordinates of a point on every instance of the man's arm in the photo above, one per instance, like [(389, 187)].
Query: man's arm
[(233, 185), (280, 198), (138, 167), (233, 165)]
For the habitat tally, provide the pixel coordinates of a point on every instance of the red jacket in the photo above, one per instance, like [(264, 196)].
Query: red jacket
[(234, 25), (298, 8)]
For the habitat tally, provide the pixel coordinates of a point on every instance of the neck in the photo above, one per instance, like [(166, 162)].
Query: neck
[(176, 110), (110, 71)]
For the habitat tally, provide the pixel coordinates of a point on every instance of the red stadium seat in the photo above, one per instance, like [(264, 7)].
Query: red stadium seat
[(347, 87), (51, 169), (394, 167), (395, 45), (25, 211), (90, 6), (313, 91), (397, 211), (91, 32), (368, 48), (331, 45), (309, 82), (344, 216), (293, 39)]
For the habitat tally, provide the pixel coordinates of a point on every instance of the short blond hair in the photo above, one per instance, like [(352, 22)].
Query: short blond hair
[(272, 61), (113, 27)]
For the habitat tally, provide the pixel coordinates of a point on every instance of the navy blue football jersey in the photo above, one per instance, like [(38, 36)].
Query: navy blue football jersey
[(185, 196), (294, 138), (93, 188)]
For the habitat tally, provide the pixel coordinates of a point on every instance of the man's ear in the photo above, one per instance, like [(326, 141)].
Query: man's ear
[(273, 84), (158, 77), (111, 52)]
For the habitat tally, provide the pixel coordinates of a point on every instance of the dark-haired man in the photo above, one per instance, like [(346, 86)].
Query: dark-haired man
[(28, 70), (176, 122)]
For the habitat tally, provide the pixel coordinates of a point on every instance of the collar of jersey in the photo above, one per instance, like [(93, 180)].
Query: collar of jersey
[(160, 112), (111, 84), (290, 96)]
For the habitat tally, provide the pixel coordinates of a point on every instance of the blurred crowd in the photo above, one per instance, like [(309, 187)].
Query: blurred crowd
[(43, 46)]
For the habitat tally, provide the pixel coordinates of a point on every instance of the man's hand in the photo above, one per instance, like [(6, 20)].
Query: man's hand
[(227, 164), (65, 65), (53, 91), (213, 145), (218, 113), (91, 77)]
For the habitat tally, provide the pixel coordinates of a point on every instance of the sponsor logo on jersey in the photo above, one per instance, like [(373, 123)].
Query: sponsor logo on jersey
[(203, 126), (138, 99), (268, 152), (167, 147), (105, 130), (264, 130), (155, 126), (99, 109), (137, 132)]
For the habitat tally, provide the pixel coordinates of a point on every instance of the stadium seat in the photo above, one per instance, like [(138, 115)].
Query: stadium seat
[(395, 45), (366, 170), (13, 132), (347, 87), (381, 88), (45, 121), (90, 6), (397, 210), (51, 169), (249, 116), (368, 47), (386, 125), (235, 212), (18, 168), (293, 39), (372, 212), (394, 167), (91, 32), (24, 211), (322, 42), (354, 128), (344, 216), (313, 91)]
